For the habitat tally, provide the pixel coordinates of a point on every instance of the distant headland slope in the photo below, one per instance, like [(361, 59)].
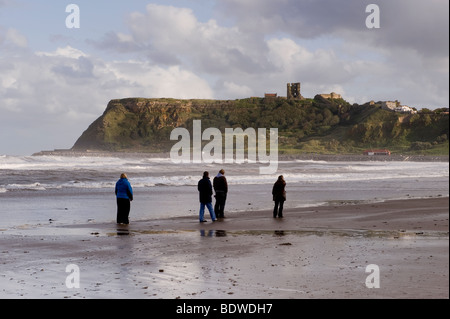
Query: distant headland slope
[(320, 125)]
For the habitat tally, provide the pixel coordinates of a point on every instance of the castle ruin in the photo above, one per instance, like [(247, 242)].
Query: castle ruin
[(293, 91), (332, 96)]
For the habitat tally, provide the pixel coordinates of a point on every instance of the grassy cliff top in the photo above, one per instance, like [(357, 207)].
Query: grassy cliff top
[(316, 125)]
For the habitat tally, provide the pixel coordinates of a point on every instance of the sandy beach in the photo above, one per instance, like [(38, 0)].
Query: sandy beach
[(315, 252)]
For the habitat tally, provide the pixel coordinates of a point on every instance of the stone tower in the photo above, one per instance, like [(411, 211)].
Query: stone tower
[(293, 91)]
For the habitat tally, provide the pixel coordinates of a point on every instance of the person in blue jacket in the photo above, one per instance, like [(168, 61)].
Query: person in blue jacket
[(124, 194), (205, 193)]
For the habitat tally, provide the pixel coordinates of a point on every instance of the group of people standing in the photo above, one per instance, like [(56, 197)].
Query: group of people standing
[(205, 189), (124, 194)]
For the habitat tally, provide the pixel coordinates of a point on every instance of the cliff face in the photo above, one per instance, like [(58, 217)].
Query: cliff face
[(316, 125), (134, 124)]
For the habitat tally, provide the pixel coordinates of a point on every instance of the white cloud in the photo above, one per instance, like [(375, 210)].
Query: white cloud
[(174, 36), (64, 78), (146, 80), (239, 91), (58, 94), (16, 38), (66, 52)]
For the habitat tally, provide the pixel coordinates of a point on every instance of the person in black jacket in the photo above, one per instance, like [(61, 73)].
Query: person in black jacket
[(205, 192), (221, 188), (279, 196)]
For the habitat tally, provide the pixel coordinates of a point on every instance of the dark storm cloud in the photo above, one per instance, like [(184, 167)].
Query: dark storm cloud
[(411, 24), (304, 19)]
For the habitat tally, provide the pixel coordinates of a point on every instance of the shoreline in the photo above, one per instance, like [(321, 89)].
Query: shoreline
[(366, 216), (312, 253), (282, 157)]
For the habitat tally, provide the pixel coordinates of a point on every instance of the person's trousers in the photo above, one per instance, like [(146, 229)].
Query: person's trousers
[(210, 209), (123, 210), (278, 209), (219, 208)]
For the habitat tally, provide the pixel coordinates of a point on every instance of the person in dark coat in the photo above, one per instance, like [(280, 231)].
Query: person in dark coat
[(124, 195), (279, 196), (221, 188), (205, 193)]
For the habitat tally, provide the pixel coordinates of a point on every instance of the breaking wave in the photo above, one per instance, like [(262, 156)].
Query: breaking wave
[(53, 172)]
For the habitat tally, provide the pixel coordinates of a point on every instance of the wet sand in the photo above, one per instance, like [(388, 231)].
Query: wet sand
[(319, 252)]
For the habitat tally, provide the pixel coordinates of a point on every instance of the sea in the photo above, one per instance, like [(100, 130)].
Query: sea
[(64, 190)]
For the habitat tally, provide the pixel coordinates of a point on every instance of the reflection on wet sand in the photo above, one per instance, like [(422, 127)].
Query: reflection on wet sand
[(213, 233), (123, 232), (392, 234), (279, 233)]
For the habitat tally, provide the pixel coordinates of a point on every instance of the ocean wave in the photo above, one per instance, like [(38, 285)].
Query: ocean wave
[(307, 161), (30, 187), (189, 180), (139, 165), (56, 172), (59, 162)]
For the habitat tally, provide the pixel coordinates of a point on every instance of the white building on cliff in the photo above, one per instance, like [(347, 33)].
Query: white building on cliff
[(397, 107)]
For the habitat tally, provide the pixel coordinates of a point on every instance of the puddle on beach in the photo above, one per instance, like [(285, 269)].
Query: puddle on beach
[(127, 232), (400, 234), (344, 233), (124, 231)]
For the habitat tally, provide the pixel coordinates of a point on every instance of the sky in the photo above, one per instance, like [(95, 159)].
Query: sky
[(56, 79)]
